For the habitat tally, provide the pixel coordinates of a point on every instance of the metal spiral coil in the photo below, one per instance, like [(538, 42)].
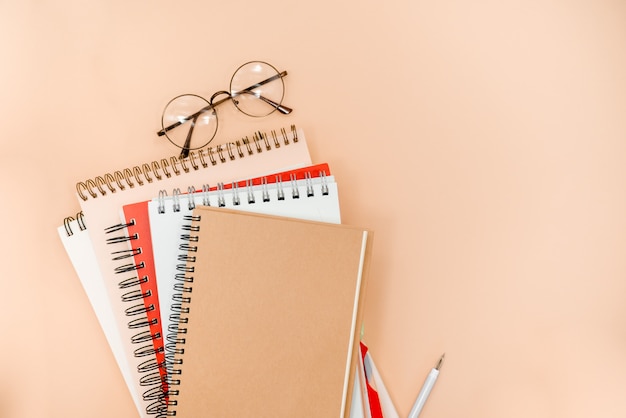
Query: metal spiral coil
[(138, 310), (80, 222), (183, 286), (157, 170), (245, 191)]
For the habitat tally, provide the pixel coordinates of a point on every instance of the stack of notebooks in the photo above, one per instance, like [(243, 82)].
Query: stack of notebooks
[(226, 284)]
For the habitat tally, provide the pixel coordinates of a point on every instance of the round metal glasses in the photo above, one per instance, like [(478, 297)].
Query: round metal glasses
[(190, 121)]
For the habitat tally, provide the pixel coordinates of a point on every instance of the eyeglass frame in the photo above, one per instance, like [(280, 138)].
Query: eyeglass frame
[(212, 105)]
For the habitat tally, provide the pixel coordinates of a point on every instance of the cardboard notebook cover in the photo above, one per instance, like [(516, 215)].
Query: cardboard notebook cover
[(274, 310)]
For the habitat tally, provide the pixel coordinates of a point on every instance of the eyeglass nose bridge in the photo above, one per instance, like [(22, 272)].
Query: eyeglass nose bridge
[(215, 95)]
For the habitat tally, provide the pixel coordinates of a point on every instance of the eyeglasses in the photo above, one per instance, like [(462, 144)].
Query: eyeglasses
[(256, 89)]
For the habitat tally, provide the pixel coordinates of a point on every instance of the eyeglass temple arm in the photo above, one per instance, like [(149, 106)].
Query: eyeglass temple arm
[(282, 109), (185, 151)]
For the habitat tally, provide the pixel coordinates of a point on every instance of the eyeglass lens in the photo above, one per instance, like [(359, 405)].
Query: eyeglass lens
[(270, 93)]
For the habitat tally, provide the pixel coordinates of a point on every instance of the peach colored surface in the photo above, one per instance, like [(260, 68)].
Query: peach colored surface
[(484, 142)]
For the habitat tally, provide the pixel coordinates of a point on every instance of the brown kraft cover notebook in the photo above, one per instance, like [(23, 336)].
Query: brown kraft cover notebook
[(270, 316)]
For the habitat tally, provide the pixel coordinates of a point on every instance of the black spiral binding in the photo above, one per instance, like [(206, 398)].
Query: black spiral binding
[(148, 172), (132, 295), (180, 308)]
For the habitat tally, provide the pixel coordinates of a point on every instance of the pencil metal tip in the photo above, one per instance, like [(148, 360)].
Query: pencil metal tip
[(440, 362)]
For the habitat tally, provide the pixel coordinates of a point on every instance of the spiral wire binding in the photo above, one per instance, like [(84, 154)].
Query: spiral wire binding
[(295, 193), (161, 201), (80, 222), (134, 297), (157, 170), (279, 188), (180, 308), (236, 194), (250, 192)]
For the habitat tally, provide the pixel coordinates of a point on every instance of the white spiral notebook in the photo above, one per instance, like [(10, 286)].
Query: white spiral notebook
[(77, 243)]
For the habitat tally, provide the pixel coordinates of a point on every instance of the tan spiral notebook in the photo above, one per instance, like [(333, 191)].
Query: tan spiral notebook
[(273, 313)]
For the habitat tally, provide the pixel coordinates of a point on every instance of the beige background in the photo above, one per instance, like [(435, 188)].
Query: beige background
[(483, 141)]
